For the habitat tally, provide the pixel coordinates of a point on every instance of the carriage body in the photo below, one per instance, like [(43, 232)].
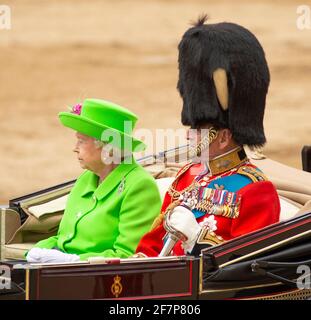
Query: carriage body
[(259, 265)]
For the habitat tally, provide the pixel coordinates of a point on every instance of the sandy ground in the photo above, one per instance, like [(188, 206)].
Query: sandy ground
[(60, 52)]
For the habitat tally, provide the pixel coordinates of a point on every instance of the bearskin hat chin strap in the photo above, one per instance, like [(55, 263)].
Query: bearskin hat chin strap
[(203, 144)]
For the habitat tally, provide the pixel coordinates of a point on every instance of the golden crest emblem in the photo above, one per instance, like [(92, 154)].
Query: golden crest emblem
[(116, 288)]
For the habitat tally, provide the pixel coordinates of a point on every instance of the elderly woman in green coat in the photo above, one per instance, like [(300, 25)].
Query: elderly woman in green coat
[(114, 201)]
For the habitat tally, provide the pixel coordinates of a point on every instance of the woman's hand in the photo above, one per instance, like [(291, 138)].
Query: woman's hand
[(50, 256)]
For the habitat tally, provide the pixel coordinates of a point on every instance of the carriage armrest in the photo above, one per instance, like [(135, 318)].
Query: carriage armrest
[(9, 223), (305, 209)]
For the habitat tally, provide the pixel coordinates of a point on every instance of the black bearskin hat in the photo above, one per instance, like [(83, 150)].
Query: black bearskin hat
[(223, 80)]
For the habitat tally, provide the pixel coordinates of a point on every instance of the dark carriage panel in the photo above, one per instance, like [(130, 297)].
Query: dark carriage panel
[(139, 280), (258, 265), (256, 242)]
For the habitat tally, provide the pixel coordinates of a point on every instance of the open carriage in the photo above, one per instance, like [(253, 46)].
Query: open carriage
[(271, 263)]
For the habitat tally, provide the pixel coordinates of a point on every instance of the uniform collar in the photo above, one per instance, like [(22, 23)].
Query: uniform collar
[(115, 177), (227, 161)]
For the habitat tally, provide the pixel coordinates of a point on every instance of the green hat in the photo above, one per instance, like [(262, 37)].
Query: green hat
[(104, 121)]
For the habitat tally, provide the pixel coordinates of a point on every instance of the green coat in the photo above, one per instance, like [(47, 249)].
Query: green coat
[(107, 220)]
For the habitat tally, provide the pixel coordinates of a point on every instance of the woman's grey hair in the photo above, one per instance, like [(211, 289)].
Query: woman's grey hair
[(98, 144), (115, 154)]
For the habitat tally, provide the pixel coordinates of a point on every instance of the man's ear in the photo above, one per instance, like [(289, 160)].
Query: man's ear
[(225, 138)]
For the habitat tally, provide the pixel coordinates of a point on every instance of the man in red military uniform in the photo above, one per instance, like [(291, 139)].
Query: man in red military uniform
[(220, 195)]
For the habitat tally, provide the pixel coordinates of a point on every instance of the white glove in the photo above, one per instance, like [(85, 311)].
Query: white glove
[(184, 221), (50, 256)]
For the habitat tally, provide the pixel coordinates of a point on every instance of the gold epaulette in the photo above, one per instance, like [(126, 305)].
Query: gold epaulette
[(252, 173), (183, 170)]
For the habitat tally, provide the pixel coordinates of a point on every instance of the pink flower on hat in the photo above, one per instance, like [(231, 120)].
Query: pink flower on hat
[(76, 109)]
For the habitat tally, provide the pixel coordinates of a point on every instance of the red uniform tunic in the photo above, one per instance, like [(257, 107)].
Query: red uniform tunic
[(259, 204)]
